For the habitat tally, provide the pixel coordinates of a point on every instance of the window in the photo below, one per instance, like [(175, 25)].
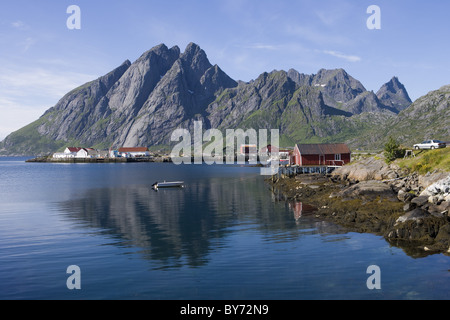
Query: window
[(337, 157)]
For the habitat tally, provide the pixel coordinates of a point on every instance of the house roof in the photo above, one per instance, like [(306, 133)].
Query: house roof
[(138, 149), (77, 149), (334, 148)]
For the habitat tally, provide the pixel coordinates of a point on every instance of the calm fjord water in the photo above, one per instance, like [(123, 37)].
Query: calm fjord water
[(224, 236)]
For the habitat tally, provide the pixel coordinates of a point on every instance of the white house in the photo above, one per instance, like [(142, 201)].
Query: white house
[(69, 152), (82, 153), (134, 152), (74, 152)]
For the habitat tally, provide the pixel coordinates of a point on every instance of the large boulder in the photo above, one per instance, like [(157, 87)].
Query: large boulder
[(420, 201), (415, 214), (368, 190), (405, 196), (371, 168), (434, 181), (440, 187)]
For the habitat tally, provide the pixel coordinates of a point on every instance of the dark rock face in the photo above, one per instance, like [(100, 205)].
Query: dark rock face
[(138, 103), (414, 214), (420, 201), (142, 103), (427, 118), (394, 95), (338, 86)]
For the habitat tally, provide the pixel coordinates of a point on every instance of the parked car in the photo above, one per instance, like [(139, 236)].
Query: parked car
[(430, 144)]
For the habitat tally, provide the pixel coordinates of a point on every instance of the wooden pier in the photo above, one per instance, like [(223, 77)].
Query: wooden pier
[(292, 171)]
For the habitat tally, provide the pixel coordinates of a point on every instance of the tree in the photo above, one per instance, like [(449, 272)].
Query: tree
[(392, 150)]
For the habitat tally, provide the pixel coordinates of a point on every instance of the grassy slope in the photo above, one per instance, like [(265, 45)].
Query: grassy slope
[(427, 160), (34, 141)]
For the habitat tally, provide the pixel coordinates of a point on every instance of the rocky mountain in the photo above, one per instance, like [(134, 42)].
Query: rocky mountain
[(393, 94), (142, 103), (330, 106), (427, 118), (138, 103)]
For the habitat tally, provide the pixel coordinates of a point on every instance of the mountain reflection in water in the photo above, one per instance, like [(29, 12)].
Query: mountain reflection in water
[(182, 226)]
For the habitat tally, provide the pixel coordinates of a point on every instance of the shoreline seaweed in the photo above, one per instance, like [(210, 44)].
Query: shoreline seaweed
[(368, 207)]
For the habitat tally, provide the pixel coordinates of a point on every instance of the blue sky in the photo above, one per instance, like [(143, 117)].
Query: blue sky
[(41, 59)]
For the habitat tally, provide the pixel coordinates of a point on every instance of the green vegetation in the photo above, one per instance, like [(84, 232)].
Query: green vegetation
[(392, 150), (427, 161), (31, 136), (80, 88)]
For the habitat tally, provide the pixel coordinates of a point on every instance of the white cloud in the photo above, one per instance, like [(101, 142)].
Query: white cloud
[(19, 25), (25, 94), (349, 58), (315, 36), (15, 115), (28, 43), (261, 46), (335, 13), (40, 82)]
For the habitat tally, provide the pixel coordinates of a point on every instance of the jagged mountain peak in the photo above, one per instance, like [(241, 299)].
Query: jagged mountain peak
[(394, 85), (428, 117), (194, 53), (126, 63), (142, 103), (337, 86), (325, 76), (367, 102), (159, 50), (300, 78), (393, 94), (192, 48), (395, 80), (332, 72)]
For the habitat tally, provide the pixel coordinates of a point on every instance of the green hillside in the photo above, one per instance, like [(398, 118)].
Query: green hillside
[(427, 161)]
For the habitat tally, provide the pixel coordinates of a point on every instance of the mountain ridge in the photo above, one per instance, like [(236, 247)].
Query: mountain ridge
[(142, 103)]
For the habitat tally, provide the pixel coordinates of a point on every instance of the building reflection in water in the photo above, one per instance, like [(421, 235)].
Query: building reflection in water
[(300, 209)]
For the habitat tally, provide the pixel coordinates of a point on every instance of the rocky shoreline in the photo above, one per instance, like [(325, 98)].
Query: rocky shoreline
[(409, 210)]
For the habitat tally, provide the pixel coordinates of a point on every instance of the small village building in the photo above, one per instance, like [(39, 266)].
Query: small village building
[(63, 155), (269, 149), (275, 152), (249, 149), (72, 150), (134, 152), (76, 152), (82, 153), (69, 153), (114, 154), (99, 154), (336, 154)]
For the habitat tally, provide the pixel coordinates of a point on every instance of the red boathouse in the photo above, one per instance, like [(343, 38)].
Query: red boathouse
[(336, 154)]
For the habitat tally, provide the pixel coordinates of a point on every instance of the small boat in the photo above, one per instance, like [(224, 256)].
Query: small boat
[(174, 184)]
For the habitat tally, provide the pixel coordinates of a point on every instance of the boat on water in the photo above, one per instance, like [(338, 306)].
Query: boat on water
[(172, 184)]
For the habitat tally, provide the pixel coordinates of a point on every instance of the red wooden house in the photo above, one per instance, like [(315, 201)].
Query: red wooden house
[(336, 154)]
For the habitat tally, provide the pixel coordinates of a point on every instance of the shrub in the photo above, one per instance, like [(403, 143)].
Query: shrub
[(392, 150)]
